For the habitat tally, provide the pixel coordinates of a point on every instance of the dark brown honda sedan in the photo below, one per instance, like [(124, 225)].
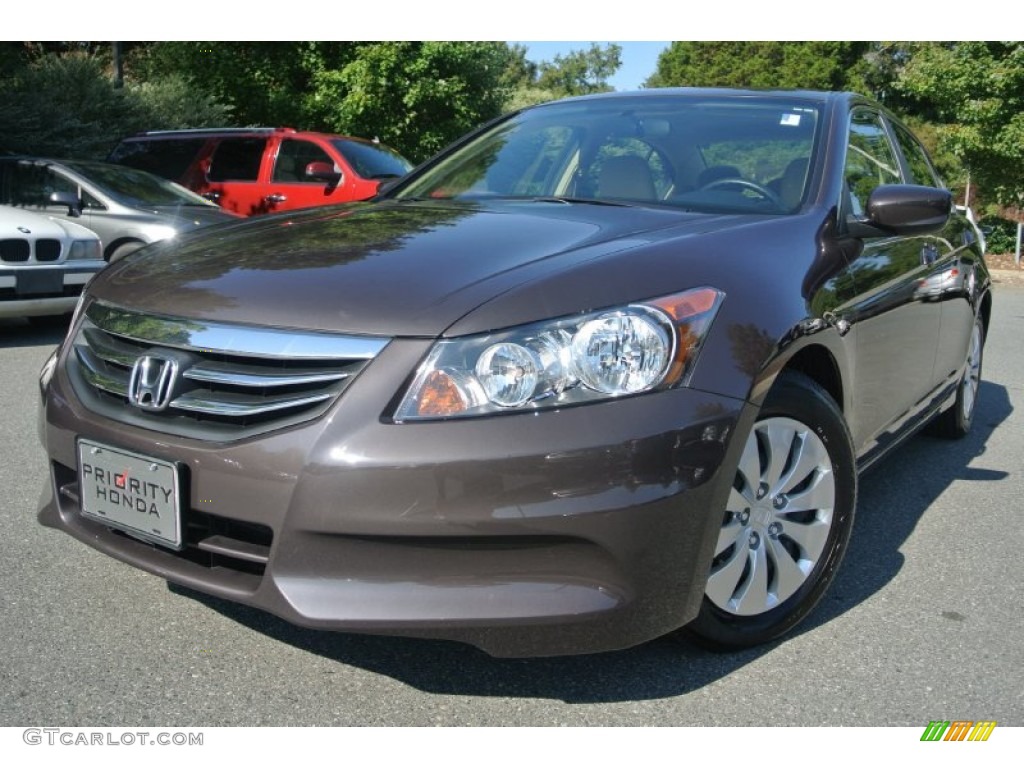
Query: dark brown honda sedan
[(604, 369)]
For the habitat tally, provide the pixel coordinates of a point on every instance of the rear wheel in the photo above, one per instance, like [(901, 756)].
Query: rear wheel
[(787, 521), (956, 421)]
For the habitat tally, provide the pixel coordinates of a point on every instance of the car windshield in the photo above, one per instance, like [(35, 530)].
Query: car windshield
[(710, 153), (372, 161), (137, 188)]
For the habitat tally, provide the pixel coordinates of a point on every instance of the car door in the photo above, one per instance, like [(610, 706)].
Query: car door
[(233, 179), (290, 187), (896, 333), (950, 282)]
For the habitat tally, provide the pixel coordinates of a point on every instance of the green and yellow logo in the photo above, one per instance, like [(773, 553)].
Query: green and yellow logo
[(958, 730)]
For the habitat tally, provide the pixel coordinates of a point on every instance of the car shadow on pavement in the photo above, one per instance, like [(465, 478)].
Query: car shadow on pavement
[(895, 494), (893, 498), (16, 332)]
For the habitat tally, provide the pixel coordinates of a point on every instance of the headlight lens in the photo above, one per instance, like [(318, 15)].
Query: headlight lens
[(157, 232), (84, 249), (623, 351)]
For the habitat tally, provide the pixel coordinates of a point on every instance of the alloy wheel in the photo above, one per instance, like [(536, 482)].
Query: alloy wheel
[(777, 520)]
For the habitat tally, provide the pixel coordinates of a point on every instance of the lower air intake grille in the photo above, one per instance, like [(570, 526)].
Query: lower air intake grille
[(209, 381)]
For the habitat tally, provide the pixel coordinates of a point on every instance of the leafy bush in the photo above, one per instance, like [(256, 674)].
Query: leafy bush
[(172, 102), (1000, 234), (64, 106), (68, 106)]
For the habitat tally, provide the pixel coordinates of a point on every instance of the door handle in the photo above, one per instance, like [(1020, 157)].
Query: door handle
[(277, 197)]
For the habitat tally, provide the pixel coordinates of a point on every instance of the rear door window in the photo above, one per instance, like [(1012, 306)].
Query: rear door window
[(237, 159)]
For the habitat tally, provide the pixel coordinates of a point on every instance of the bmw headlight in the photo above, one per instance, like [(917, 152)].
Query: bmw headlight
[(599, 355), (85, 249)]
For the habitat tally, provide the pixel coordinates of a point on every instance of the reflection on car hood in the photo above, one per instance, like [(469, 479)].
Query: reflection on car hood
[(393, 269)]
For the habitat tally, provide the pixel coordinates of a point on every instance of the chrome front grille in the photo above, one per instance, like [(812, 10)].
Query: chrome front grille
[(216, 381)]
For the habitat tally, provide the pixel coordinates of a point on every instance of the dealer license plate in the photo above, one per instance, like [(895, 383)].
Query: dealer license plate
[(131, 492)]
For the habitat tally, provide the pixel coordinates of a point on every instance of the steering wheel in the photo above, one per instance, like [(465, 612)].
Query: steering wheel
[(764, 192)]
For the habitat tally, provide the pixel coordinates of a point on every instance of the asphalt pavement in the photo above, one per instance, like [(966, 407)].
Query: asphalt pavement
[(924, 621)]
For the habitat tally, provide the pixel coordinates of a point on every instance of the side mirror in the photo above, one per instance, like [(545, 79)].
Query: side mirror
[(908, 209), (386, 186), (324, 172), (69, 199)]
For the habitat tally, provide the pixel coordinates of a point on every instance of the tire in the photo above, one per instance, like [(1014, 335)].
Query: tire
[(787, 522), (955, 422)]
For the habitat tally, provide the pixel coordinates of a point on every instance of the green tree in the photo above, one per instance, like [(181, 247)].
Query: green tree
[(976, 91), (821, 65), (264, 83), (415, 96), (581, 72), (577, 73)]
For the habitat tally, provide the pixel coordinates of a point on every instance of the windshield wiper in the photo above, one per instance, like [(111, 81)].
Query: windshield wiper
[(577, 200)]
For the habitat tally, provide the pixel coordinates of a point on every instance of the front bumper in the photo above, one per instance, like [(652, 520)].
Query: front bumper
[(65, 283), (572, 531)]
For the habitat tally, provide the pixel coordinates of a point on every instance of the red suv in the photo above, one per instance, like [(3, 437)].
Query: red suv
[(260, 170)]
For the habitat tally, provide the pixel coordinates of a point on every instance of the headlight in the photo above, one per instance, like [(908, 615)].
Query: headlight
[(623, 351), (85, 249), (157, 232)]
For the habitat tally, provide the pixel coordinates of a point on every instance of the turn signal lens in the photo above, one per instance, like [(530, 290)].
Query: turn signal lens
[(440, 396)]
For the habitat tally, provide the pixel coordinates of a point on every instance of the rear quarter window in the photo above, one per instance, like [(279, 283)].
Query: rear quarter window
[(169, 158)]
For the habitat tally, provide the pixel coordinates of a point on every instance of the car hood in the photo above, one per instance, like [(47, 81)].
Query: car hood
[(391, 269), (17, 223)]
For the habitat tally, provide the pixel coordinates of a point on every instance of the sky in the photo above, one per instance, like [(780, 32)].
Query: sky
[(639, 59)]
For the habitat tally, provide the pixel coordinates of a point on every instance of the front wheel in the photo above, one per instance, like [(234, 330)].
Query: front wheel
[(787, 521)]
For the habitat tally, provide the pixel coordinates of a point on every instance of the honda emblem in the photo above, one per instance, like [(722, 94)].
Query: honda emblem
[(152, 382)]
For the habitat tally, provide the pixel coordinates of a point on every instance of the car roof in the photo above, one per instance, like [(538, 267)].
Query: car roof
[(202, 133), (726, 93)]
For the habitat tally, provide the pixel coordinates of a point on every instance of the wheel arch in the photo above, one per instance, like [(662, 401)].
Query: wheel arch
[(985, 311), (817, 363), (113, 245)]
